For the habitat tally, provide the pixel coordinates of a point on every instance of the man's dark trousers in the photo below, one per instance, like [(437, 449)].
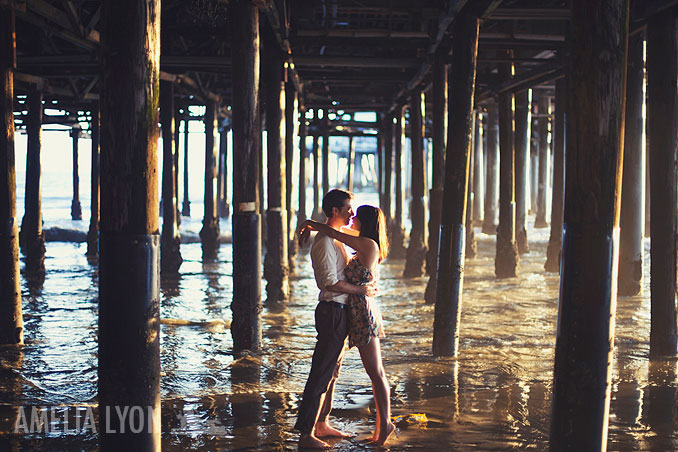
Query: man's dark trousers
[(331, 323)]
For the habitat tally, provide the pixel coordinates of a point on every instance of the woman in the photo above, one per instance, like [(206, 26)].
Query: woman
[(367, 237)]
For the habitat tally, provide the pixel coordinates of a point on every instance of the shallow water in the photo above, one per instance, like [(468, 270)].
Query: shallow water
[(495, 396)]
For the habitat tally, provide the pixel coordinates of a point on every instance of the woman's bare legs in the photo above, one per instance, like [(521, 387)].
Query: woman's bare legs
[(370, 354), (374, 435)]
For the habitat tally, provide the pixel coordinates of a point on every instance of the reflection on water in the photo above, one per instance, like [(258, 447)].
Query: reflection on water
[(495, 396)]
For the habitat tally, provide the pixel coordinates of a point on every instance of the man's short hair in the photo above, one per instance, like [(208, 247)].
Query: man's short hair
[(335, 198)]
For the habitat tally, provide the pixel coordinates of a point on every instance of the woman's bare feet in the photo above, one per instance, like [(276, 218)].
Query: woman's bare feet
[(310, 441), (383, 436), (374, 437), (370, 439), (323, 429)]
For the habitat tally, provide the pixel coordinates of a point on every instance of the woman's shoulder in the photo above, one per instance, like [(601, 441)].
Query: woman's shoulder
[(370, 243)]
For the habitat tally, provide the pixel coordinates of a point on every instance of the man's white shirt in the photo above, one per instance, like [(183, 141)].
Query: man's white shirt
[(329, 259)]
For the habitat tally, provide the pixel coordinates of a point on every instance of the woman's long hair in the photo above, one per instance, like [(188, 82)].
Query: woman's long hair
[(373, 225)]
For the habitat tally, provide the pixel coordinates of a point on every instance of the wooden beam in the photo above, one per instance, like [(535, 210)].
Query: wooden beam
[(530, 14), (362, 33), (357, 62)]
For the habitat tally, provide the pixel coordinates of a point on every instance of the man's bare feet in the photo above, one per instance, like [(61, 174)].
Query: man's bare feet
[(383, 436), (307, 441), (323, 429)]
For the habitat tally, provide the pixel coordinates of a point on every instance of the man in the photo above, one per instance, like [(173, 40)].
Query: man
[(331, 322)]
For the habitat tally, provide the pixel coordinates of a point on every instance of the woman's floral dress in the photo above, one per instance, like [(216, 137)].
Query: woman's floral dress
[(364, 315)]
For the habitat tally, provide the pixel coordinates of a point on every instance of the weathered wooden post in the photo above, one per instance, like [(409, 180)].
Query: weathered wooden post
[(93, 232), (379, 158), (534, 159), (478, 171), (439, 98), (209, 233), (387, 185), (31, 237), (522, 141), (276, 269), (396, 230), (326, 153), (633, 182), (177, 121), (11, 319), (662, 83), (170, 240), (471, 244), (559, 123), (186, 205), (303, 158), (457, 166), (350, 164), (357, 165), (317, 213), (416, 251), (544, 163), (222, 182), (129, 276), (506, 261), (76, 210), (647, 179), (246, 305), (491, 175), (291, 132), (588, 282)]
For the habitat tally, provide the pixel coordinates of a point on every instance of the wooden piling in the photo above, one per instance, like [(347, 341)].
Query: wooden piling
[(397, 250), (223, 208), (544, 162), (588, 282), (76, 209), (209, 233), (379, 159), (662, 83), (176, 164), (457, 166), (387, 185), (632, 219), (416, 251), (317, 213), (31, 237), (471, 244), (439, 98), (93, 232), (492, 154), (129, 283), (506, 261), (246, 304), (553, 252), (326, 154), (170, 240), (478, 171), (186, 205), (647, 230), (350, 164), (291, 132), (303, 158), (276, 267), (11, 318), (534, 161), (522, 141)]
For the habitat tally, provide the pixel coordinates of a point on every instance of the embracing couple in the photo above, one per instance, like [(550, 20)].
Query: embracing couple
[(345, 309)]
